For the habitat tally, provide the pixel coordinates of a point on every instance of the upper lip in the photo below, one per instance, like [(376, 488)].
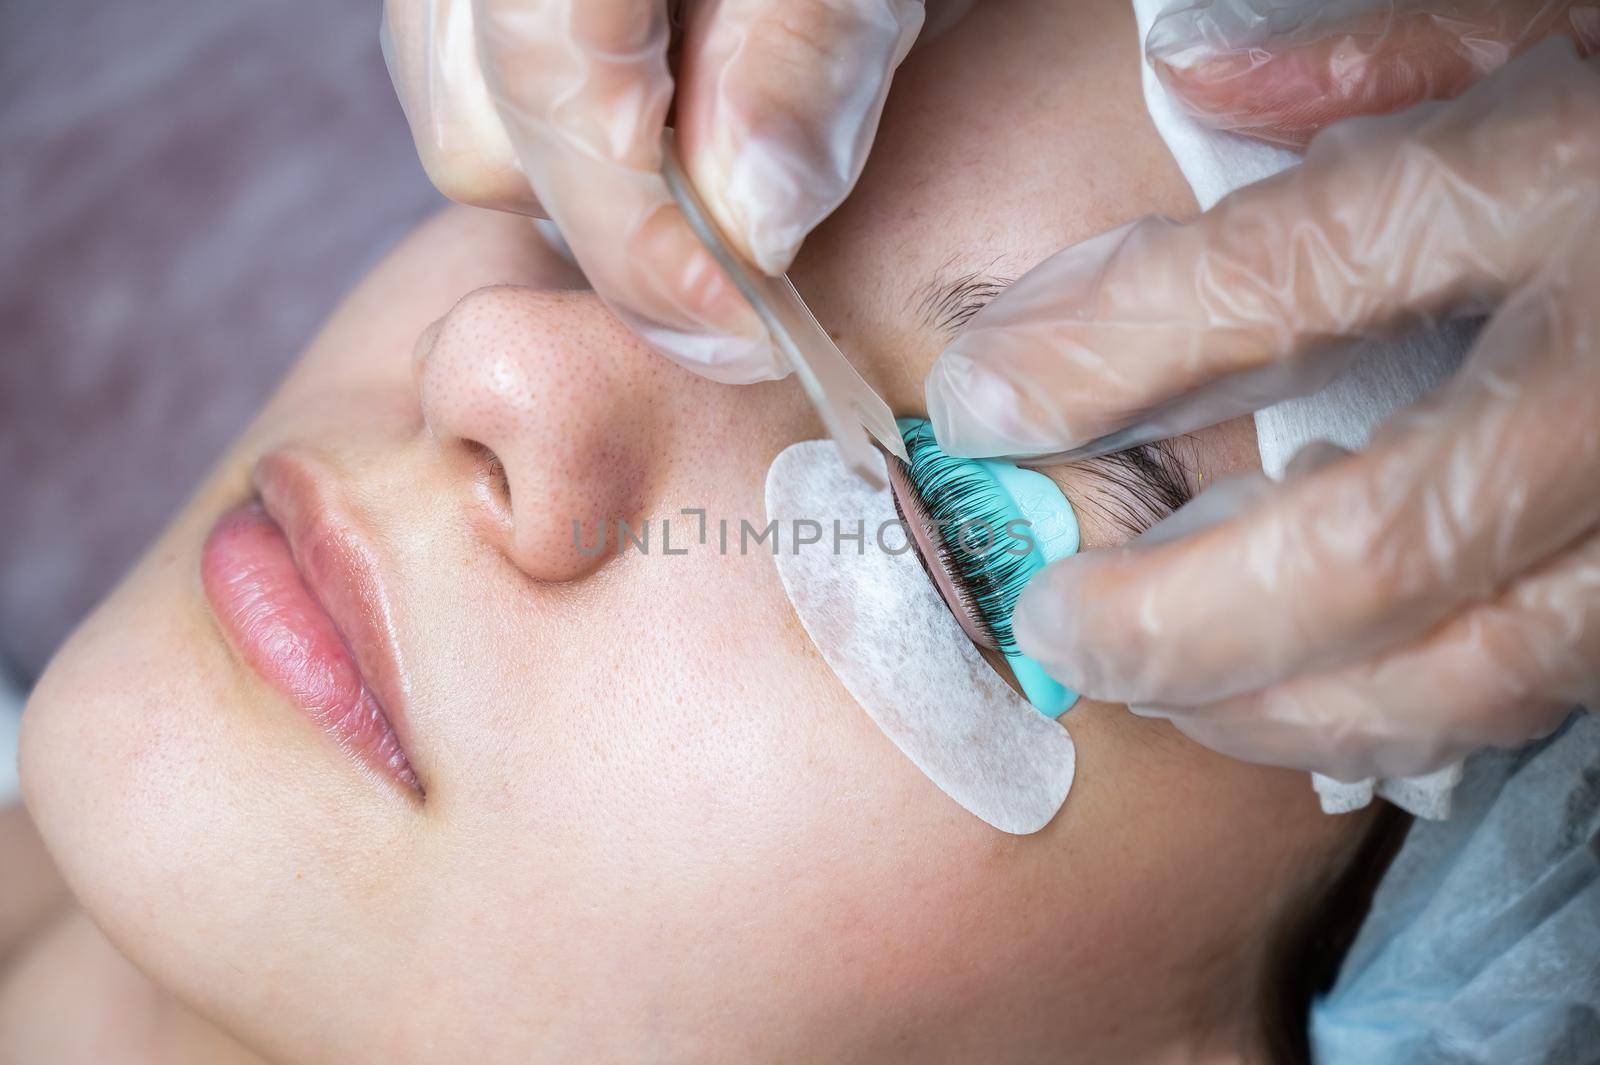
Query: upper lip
[(338, 565)]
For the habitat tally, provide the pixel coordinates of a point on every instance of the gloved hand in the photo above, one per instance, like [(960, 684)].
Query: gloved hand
[(1280, 73), (556, 108), (1380, 614)]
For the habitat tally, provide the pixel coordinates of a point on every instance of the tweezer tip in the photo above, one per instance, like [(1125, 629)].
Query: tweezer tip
[(884, 431), (894, 445)]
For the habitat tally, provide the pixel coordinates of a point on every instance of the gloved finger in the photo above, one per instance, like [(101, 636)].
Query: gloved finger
[(1498, 675), (1286, 78), (1158, 329), (431, 50), (1487, 477), (778, 103), (582, 88)]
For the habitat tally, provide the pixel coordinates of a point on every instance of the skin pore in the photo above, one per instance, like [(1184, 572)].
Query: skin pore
[(655, 827)]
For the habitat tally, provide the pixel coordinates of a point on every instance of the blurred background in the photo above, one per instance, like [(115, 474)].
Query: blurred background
[(187, 188)]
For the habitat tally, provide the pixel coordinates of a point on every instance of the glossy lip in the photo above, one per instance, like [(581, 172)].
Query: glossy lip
[(328, 640)]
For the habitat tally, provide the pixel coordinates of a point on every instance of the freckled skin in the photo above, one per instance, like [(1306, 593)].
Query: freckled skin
[(656, 828), (572, 434)]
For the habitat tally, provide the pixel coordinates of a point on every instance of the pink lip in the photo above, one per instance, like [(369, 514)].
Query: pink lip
[(297, 593)]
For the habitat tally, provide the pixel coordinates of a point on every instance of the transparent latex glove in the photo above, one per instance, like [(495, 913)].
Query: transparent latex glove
[(1282, 71), (556, 108), (1386, 612)]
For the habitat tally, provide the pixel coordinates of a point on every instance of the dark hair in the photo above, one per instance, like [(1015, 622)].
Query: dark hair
[(1305, 959), (1137, 487)]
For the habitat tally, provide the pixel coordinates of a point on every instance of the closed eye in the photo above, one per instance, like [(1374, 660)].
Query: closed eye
[(1131, 489)]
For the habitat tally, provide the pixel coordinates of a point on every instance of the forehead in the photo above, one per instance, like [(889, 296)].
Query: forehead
[(1010, 137), (1015, 135)]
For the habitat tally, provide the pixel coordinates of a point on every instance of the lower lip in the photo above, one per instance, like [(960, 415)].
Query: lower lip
[(285, 635)]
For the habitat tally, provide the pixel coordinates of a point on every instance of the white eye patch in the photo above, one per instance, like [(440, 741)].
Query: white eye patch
[(883, 630)]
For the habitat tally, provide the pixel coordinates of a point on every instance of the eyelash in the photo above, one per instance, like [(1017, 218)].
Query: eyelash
[(1149, 481), (943, 495), (1138, 486)]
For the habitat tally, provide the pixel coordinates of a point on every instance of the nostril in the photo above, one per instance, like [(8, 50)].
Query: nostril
[(490, 479)]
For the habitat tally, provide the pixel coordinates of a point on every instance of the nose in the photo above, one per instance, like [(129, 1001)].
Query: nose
[(568, 402)]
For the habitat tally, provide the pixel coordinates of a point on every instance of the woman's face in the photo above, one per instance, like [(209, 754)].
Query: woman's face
[(650, 824)]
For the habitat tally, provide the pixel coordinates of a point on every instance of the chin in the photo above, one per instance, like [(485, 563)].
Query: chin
[(110, 757), (129, 774), (212, 835)]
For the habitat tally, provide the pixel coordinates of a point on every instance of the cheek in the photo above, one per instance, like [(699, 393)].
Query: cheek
[(716, 811), (1202, 847)]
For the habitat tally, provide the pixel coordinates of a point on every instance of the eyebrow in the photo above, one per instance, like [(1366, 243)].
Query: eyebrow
[(947, 302), (1131, 489)]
